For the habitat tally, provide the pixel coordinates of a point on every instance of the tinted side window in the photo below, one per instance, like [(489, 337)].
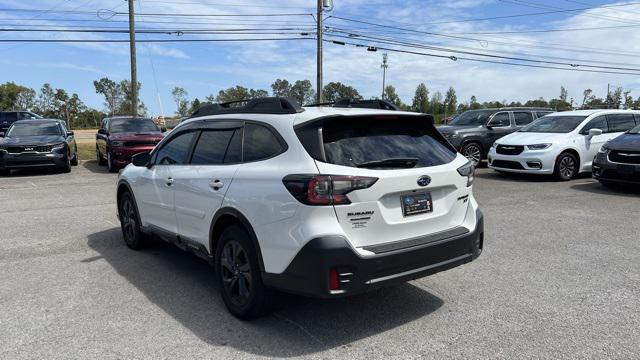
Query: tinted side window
[(500, 120), (175, 152), (540, 114), (598, 123), (620, 122), (259, 143), (234, 151), (211, 147), (9, 116), (523, 117)]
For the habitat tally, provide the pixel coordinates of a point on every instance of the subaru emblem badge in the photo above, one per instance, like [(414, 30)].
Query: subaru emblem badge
[(424, 180)]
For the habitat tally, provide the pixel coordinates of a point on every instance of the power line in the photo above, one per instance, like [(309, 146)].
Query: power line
[(178, 32), (454, 58), (538, 61), (148, 40), (119, 13), (595, 16)]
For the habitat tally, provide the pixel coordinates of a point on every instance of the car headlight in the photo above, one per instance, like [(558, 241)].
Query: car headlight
[(58, 146), (604, 149), (467, 170), (538, 146), (117, 143)]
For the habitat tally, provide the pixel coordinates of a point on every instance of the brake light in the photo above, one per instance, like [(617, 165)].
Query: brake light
[(325, 189)]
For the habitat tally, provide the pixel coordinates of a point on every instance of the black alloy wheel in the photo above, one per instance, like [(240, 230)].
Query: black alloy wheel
[(129, 223), (238, 275)]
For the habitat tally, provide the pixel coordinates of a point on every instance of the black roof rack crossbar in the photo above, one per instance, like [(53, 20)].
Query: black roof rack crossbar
[(266, 105), (354, 103)]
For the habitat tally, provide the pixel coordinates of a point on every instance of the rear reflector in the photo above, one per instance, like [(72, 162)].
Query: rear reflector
[(325, 189), (334, 282)]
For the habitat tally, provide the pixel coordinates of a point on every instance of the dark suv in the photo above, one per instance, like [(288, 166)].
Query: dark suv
[(9, 117), (119, 138), (618, 161), (473, 132), (37, 143)]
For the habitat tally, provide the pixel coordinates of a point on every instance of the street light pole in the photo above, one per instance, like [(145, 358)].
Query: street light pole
[(132, 50), (384, 67), (319, 54)]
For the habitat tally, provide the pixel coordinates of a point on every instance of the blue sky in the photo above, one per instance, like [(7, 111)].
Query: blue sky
[(205, 68)]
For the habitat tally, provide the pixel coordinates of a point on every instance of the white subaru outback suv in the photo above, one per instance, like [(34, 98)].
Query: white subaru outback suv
[(318, 201)]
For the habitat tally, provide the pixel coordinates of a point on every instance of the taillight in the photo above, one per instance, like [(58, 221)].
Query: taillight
[(325, 189)]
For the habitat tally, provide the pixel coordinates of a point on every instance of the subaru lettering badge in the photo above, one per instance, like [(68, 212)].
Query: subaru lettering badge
[(424, 180)]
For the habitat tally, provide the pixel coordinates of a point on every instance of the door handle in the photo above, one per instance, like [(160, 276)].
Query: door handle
[(216, 184), (169, 181)]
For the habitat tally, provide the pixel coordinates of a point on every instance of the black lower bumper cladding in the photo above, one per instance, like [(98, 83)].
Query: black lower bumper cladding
[(308, 273)]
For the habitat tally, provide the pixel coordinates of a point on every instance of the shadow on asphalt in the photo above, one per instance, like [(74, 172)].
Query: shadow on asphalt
[(614, 190), (17, 173), (182, 285), (92, 165), (490, 174)]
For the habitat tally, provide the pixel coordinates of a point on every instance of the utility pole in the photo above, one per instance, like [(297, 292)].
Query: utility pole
[(132, 49), (319, 53), (608, 92), (384, 67)]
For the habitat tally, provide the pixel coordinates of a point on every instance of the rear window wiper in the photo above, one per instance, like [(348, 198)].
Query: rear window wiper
[(407, 162)]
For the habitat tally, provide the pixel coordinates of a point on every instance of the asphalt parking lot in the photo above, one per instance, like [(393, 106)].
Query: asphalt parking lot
[(559, 279)]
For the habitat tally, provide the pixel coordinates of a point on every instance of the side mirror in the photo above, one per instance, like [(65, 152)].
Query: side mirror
[(102, 131), (489, 126), (141, 159), (69, 133), (594, 132), (163, 129)]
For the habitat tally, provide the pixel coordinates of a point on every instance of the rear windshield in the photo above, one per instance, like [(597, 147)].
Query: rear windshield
[(388, 143), (554, 124)]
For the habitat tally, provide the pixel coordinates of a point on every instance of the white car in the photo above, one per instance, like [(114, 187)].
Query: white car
[(319, 201), (563, 144)]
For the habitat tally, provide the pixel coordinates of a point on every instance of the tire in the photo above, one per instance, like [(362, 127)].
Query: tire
[(99, 157), (133, 236), (67, 168), (112, 168), (566, 167), (238, 275), (474, 152), (74, 161)]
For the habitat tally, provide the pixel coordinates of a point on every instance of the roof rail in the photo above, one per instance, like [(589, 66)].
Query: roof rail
[(265, 105), (354, 103)]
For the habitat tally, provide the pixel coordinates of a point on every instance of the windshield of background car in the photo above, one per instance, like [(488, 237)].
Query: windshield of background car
[(635, 131), (358, 141), (554, 124), (472, 117), (132, 126), (34, 129)]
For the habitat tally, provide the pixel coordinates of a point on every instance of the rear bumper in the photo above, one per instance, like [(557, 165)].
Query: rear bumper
[(308, 273), (604, 170), (121, 156), (27, 160)]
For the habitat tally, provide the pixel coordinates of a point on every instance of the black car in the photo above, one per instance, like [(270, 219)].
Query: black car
[(9, 117), (474, 131), (618, 161), (37, 143)]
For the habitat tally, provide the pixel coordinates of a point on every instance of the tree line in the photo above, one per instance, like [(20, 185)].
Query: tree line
[(58, 103)]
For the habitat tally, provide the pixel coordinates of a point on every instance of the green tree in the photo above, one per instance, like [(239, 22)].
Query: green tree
[(195, 105), (437, 107), (450, 101), (26, 99), (16, 97), (47, 101), (335, 91), (281, 88), (421, 99), (236, 93), (391, 96), (473, 104), (126, 106), (587, 97), (614, 98), (540, 102), (180, 97), (112, 92), (302, 92), (564, 94)]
